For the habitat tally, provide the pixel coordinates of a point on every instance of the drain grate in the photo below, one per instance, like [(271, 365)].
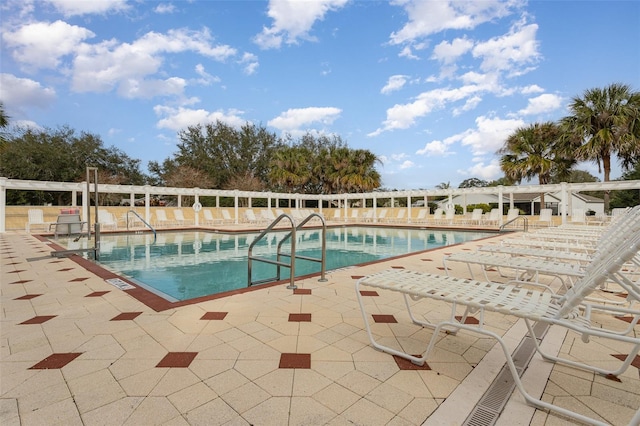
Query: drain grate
[(488, 409)]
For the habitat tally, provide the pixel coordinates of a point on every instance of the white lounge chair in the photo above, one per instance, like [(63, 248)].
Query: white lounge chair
[(399, 217), (336, 215), (578, 216), (571, 311), (533, 266), (381, 216), (495, 217), (250, 216), (226, 217), (354, 215), (35, 219), (209, 219), (438, 216), (476, 217), (180, 220), (545, 217), (422, 216), (161, 218), (107, 220)]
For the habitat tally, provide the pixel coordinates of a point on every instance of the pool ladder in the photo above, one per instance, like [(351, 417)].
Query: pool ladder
[(279, 262)]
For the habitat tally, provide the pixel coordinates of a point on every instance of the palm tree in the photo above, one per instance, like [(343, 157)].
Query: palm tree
[(605, 122), (4, 122), (289, 169), (535, 150)]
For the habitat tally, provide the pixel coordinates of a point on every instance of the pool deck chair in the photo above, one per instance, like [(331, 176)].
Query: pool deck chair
[(35, 219), (209, 219), (107, 220), (545, 217), (533, 305), (422, 216), (226, 217), (250, 216), (161, 218), (180, 220)]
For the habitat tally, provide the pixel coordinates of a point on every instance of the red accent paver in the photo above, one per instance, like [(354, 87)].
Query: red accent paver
[(625, 319), (78, 280), (302, 291), (469, 320), (16, 271), (427, 260), (55, 361), (299, 317), (125, 316), (214, 316), (397, 267), (21, 282), (97, 294), (357, 277), (295, 361), (369, 293), (177, 360), (388, 319), (635, 363), (405, 364), (65, 269), (27, 297), (38, 320)]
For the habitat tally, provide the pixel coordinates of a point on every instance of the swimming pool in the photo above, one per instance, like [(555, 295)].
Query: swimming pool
[(189, 264)]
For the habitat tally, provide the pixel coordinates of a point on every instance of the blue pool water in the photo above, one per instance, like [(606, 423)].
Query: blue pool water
[(185, 265)]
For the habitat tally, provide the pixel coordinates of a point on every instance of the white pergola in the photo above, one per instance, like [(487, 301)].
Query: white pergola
[(343, 200)]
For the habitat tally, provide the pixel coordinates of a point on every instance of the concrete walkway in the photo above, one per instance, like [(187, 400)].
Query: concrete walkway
[(78, 350)]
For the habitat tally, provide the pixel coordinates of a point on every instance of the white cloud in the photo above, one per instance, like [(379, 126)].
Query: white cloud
[(103, 66), (84, 7), (17, 93), (430, 17), (43, 44), (541, 104), (292, 20), (470, 104), (534, 88), (490, 171), (402, 116), (511, 51), (163, 8), (407, 165), (395, 82), (250, 62), (180, 118), (297, 118), (205, 78), (146, 89), (489, 134), (449, 52), (436, 149)]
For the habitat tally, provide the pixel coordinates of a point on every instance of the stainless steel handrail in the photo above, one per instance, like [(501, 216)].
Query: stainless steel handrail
[(525, 220), (143, 221), (293, 256), (290, 265)]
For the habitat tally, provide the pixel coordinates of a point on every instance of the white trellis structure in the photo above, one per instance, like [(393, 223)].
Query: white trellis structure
[(344, 201)]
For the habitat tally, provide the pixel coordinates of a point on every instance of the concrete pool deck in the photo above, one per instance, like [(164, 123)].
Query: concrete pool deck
[(78, 350)]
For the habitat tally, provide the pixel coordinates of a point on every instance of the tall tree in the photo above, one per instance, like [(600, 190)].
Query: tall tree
[(63, 155), (222, 151), (605, 122), (535, 151), (4, 122)]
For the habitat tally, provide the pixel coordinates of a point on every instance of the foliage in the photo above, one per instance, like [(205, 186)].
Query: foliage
[(605, 122), (473, 183), (61, 155), (536, 150), (629, 197), (486, 208), (221, 152), (323, 165)]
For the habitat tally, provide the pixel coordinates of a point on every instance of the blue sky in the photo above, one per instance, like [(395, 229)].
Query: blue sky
[(433, 88)]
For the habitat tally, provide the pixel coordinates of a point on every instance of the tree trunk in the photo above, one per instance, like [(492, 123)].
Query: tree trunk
[(606, 165)]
